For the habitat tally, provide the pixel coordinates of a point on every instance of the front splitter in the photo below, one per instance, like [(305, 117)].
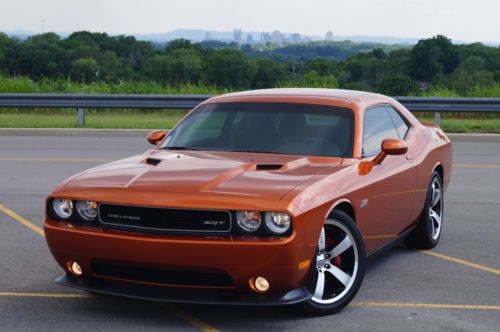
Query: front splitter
[(183, 295)]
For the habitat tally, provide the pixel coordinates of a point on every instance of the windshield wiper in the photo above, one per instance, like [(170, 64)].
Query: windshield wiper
[(179, 148)]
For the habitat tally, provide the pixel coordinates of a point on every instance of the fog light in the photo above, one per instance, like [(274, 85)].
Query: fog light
[(261, 284), (74, 268)]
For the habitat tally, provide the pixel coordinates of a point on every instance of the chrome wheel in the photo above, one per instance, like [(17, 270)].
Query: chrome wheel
[(435, 208), (337, 263)]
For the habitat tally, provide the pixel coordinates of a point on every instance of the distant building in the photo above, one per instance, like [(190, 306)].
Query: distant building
[(277, 37), (265, 38), (237, 35), (208, 35), (296, 38), (250, 39), (329, 36)]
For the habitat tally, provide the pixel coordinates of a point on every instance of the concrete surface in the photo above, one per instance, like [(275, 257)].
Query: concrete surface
[(400, 291)]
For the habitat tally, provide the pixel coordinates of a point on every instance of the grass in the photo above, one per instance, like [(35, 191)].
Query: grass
[(21, 84), (128, 119), (165, 119), (57, 118), (468, 125)]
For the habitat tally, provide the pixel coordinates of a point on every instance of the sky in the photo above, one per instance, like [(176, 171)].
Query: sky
[(464, 20)]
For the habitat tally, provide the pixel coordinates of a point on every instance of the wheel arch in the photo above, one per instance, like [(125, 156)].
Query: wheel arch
[(439, 168), (344, 205)]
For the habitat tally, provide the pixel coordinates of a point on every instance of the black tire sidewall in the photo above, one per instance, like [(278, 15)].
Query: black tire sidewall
[(428, 219), (421, 237)]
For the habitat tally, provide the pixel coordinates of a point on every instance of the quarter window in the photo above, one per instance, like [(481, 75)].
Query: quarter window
[(400, 124), (378, 126)]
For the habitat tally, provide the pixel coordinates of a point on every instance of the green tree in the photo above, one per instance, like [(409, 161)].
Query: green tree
[(84, 70), (42, 56), (321, 66), (471, 74), (355, 70), (178, 44), (433, 56), (230, 68), (113, 69), (374, 69), (5, 45), (313, 80), (268, 73), (156, 68), (397, 85), (179, 66), (184, 66), (80, 45)]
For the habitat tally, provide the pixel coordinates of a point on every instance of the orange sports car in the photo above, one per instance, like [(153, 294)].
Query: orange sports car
[(267, 197)]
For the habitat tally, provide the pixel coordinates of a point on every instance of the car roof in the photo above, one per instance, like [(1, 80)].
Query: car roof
[(304, 95)]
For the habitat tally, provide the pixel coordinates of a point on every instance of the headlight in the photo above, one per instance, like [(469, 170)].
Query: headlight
[(278, 222), (249, 221), (62, 207), (87, 210)]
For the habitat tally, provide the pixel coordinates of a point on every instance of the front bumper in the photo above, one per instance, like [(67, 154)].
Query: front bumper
[(182, 295), (284, 262)]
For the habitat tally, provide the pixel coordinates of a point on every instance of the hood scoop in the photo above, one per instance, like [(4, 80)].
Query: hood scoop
[(152, 161), (268, 167)]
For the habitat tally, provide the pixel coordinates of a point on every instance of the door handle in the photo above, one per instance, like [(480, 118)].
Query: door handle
[(410, 157)]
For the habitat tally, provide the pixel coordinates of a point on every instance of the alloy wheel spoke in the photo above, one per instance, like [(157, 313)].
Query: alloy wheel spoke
[(435, 217), (436, 197), (432, 226), (341, 247), (322, 241), (320, 286), (339, 274)]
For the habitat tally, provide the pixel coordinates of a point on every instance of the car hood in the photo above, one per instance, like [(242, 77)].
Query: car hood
[(233, 173)]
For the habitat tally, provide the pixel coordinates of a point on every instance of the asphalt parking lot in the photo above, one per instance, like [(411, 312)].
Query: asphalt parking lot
[(455, 287)]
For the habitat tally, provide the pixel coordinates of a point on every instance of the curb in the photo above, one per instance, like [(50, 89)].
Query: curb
[(474, 137), (80, 132), (74, 132)]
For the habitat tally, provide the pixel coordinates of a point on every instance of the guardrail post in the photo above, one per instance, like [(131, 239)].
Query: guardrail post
[(437, 118), (81, 117)]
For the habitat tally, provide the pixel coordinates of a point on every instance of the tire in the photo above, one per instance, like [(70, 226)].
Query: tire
[(339, 266), (428, 231)]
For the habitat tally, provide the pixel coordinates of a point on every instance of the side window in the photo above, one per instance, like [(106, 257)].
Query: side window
[(400, 124), (378, 126)]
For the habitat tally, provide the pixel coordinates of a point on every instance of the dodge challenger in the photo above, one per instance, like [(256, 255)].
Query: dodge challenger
[(267, 197)]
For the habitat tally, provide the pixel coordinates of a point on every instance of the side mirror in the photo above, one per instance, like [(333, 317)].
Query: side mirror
[(390, 147), (156, 136)]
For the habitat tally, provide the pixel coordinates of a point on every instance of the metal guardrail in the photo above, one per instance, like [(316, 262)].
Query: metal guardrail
[(81, 102)]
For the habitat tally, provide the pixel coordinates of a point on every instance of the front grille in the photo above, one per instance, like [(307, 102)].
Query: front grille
[(165, 277), (164, 219)]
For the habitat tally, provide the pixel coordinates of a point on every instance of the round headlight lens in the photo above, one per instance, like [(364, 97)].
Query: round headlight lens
[(62, 207), (249, 221), (278, 222), (87, 210)]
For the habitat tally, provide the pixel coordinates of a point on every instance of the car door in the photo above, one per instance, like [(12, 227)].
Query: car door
[(393, 182)]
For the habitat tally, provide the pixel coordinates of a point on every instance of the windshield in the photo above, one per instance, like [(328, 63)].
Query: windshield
[(284, 128)]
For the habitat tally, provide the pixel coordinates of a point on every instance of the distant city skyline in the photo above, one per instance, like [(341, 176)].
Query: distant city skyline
[(456, 19)]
